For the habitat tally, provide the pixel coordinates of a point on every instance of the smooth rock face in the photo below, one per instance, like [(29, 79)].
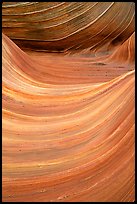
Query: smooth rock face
[(68, 110)]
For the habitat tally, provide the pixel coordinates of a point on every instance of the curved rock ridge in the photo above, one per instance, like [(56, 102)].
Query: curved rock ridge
[(68, 119), (59, 26)]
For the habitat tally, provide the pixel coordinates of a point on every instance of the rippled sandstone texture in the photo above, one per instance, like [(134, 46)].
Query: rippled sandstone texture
[(68, 110)]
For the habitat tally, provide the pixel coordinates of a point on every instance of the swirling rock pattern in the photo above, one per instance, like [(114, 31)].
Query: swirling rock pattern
[(68, 26), (68, 118)]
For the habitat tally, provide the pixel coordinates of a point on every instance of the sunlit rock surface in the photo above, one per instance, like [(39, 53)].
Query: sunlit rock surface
[(68, 110)]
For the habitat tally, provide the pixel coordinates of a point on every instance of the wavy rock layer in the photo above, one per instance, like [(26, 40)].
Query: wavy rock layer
[(68, 119), (68, 25)]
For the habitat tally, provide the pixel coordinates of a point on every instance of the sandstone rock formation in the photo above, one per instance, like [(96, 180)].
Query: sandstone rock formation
[(68, 82)]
